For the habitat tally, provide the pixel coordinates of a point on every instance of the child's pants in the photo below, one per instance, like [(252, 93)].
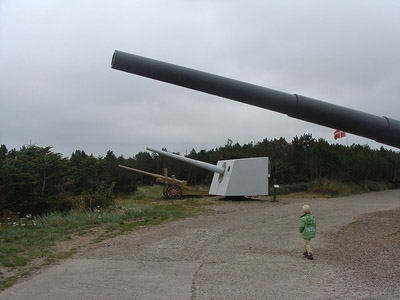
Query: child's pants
[(307, 246)]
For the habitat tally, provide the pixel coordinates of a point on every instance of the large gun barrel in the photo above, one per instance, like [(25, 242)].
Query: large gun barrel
[(381, 129), (160, 178), (141, 172), (201, 164)]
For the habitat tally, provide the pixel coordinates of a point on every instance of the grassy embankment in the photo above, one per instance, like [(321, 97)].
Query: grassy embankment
[(329, 189), (28, 243)]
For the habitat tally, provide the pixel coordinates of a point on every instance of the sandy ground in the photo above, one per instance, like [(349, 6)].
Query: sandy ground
[(240, 250)]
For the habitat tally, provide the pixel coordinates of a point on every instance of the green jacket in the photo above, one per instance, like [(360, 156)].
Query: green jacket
[(308, 226)]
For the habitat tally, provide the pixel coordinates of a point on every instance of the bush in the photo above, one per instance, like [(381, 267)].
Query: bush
[(372, 186), (103, 197)]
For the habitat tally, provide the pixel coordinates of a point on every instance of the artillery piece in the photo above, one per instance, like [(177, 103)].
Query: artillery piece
[(235, 177), (173, 188), (382, 129)]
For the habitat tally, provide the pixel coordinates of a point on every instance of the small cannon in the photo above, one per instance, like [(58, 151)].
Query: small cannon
[(382, 129), (235, 177), (173, 188)]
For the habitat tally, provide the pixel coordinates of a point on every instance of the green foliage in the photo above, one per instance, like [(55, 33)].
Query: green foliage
[(330, 188), (31, 179), (103, 197), (306, 160), (36, 180)]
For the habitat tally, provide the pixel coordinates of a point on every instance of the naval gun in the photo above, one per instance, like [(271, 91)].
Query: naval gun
[(381, 129), (235, 177)]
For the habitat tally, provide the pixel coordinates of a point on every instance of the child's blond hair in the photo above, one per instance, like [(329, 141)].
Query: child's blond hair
[(306, 209)]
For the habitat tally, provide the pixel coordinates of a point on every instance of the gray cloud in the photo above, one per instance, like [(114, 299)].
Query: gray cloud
[(57, 87)]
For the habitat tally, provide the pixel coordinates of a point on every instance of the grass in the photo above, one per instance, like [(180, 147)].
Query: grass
[(396, 233), (351, 225), (329, 188), (29, 243)]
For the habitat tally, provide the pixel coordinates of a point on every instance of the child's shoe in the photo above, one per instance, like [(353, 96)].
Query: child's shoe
[(310, 257), (305, 254)]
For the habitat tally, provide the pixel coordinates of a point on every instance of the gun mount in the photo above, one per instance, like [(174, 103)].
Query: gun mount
[(381, 129), (235, 177)]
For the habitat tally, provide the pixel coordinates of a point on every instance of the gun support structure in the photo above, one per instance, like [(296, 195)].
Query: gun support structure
[(381, 129)]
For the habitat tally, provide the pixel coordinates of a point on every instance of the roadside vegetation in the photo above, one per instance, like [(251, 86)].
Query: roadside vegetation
[(29, 243), (330, 188)]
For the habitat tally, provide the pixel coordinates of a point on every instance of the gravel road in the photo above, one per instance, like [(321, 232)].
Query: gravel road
[(239, 250)]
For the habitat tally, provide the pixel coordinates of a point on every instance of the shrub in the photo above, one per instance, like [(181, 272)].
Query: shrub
[(372, 186), (103, 197)]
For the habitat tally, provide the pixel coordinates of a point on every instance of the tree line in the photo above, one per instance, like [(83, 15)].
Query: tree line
[(34, 179)]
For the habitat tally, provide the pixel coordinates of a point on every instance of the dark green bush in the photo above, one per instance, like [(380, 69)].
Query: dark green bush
[(372, 186), (103, 197)]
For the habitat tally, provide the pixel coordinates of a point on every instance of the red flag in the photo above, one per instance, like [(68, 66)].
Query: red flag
[(339, 134)]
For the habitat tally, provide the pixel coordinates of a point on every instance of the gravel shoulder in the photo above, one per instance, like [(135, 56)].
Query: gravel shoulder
[(370, 248), (240, 250)]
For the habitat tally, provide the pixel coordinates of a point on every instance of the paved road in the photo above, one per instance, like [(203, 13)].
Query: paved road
[(240, 250)]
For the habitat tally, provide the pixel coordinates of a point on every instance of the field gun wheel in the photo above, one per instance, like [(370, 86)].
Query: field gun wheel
[(174, 192)]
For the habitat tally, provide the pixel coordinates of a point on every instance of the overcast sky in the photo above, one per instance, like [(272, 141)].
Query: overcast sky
[(57, 87)]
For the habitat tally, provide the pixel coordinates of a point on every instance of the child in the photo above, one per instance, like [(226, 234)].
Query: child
[(307, 228)]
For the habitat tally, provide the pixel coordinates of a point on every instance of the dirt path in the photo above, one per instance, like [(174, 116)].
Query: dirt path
[(240, 250)]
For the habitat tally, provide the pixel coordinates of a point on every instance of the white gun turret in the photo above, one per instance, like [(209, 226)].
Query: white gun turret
[(235, 177)]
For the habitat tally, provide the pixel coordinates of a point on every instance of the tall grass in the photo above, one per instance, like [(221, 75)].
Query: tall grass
[(331, 188), (149, 192)]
